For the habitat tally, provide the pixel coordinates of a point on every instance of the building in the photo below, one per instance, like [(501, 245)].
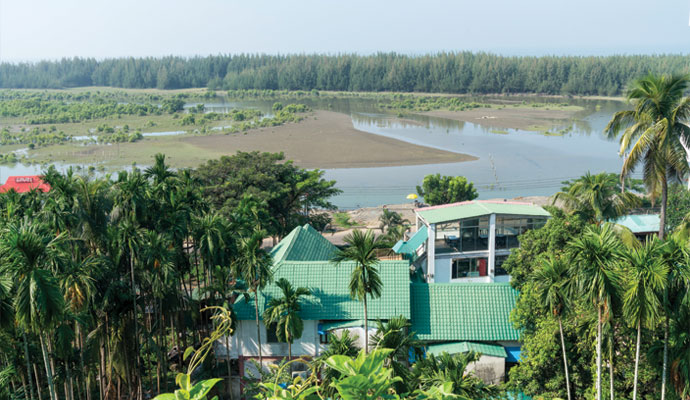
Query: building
[(468, 241), (23, 184), (450, 317), (642, 225), (303, 258)]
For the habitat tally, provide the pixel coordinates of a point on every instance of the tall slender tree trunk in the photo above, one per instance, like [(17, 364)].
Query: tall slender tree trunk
[(26, 393), (136, 326), (258, 327), (664, 369), (28, 365), (366, 326), (227, 361), (38, 382), (662, 214), (565, 358), (637, 359), (599, 354), (49, 372), (611, 368)]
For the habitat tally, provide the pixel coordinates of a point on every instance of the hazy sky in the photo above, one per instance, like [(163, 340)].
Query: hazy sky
[(50, 29)]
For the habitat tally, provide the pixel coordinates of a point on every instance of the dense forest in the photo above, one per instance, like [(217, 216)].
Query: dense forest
[(463, 72)]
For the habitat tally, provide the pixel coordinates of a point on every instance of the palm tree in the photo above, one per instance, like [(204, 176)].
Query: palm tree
[(29, 252), (595, 255), (676, 291), (597, 198), (552, 282), (364, 281), (646, 275), (395, 335), (253, 265), (284, 313), (390, 219), (436, 370), (654, 133)]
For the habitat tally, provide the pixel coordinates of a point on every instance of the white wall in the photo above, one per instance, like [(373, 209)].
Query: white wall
[(489, 369), (443, 270), (359, 332), (243, 342)]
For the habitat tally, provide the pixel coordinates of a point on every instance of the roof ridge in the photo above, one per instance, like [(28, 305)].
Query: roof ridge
[(459, 203)]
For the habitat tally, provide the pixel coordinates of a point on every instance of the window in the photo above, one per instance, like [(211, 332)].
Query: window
[(509, 228), (469, 268), (474, 234), (271, 336), (323, 337), (498, 268)]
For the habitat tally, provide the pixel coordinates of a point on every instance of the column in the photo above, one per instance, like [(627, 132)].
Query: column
[(492, 246), (431, 253)]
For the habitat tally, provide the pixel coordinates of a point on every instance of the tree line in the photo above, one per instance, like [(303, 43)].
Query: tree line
[(461, 72)]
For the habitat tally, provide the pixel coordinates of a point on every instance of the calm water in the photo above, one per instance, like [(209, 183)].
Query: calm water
[(519, 163)]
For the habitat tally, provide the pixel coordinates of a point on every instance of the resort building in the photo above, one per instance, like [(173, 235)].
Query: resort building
[(450, 317), (23, 184), (468, 241)]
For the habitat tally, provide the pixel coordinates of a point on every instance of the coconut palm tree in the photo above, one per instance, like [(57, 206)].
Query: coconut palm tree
[(654, 133), (552, 283), (284, 313), (253, 265), (364, 281), (594, 256), (646, 274), (597, 198), (29, 252)]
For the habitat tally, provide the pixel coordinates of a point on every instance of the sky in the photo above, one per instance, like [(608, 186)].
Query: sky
[(32, 30)]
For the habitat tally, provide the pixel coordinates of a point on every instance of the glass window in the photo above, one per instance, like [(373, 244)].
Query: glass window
[(271, 336), (509, 228), (474, 234), (498, 268), (469, 268)]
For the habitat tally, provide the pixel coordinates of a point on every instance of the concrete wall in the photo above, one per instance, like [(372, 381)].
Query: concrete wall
[(243, 342), (489, 369)]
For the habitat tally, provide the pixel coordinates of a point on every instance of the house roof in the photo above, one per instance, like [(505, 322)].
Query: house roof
[(477, 208), (330, 298), (304, 243), (640, 223), (411, 246), (22, 184), (477, 312), (465, 347)]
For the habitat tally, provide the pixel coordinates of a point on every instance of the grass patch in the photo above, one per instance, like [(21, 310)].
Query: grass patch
[(342, 219), (499, 131)]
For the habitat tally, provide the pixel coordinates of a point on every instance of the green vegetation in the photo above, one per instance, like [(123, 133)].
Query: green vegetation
[(461, 72), (342, 219), (437, 189), (655, 132), (116, 265)]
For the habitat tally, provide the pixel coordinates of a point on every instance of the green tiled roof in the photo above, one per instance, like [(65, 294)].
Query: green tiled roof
[(411, 246), (640, 223), (304, 243), (463, 311), (464, 347), (477, 208), (330, 299)]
